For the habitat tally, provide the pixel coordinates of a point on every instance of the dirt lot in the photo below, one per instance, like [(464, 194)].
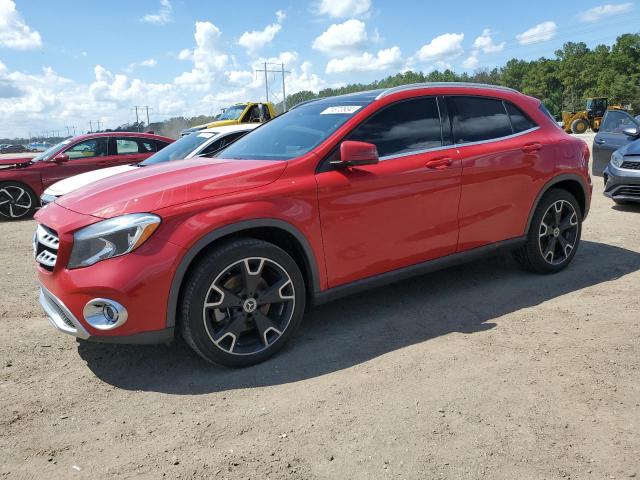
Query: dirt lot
[(483, 371)]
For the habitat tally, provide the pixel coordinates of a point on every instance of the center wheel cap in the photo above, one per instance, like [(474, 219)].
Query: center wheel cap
[(556, 232), (250, 305)]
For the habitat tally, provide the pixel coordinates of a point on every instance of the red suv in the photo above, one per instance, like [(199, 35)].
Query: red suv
[(337, 195), (22, 180)]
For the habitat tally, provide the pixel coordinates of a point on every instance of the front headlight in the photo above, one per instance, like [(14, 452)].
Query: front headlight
[(111, 238), (617, 159)]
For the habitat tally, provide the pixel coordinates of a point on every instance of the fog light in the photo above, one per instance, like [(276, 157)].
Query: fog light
[(104, 314)]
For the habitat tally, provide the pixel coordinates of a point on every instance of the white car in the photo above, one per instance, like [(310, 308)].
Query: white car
[(204, 143)]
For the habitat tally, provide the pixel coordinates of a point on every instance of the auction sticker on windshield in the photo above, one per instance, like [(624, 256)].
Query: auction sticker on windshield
[(342, 109)]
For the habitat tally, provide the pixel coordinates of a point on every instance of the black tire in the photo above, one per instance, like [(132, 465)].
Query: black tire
[(17, 201), (579, 126), (551, 247), (237, 329)]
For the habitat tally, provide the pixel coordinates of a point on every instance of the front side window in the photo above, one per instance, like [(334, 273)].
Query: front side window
[(404, 127), (179, 149), (96, 147), (221, 143), (615, 121), (475, 119)]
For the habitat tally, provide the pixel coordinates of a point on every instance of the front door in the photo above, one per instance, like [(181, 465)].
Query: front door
[(399, 212), (610, 138), (83, 157)]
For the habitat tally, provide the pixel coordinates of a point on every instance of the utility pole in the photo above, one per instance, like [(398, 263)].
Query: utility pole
[(90, 127), (98, 125), (281, 71), (141, 107)]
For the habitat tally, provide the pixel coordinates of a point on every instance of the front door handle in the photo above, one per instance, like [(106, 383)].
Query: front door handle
[(600, 141), (439, 163), (531, 147)]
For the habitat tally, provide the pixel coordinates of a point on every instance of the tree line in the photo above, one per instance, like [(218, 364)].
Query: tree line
[(563, 83)]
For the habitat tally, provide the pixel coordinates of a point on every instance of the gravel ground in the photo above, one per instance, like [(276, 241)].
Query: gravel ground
[(482, 371)]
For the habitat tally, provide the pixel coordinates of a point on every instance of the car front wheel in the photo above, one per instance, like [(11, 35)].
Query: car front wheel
[(17, 201), (242, 302), (554, 233)]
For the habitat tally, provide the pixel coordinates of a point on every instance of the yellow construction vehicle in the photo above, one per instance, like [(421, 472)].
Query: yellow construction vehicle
[(591, 117)]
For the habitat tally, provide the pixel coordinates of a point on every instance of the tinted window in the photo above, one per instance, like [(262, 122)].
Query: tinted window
[(221, 143), (180, 148), (146, 146), (403, 127), (96, 147), (295, 132), (615, 121), (519, 120), (474, 119)]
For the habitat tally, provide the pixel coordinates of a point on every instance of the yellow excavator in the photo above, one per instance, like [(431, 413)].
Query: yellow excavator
[(591, 117)]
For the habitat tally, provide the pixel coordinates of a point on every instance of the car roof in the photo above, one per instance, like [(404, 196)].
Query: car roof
[(120, 134), (230, 128)]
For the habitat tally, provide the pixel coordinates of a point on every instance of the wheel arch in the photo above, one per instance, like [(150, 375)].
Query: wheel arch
[(570, 182), (278, 232)]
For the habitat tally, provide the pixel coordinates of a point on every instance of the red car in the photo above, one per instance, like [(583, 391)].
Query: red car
[(22, 180), (337, 195)]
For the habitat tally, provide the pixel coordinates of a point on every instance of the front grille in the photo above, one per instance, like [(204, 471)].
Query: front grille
[(45, 246), (628, 191), (631, 165)]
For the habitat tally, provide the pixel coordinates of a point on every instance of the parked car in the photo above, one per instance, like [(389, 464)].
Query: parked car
[(611, 137), (39, 146), (240, 113), (22, 180), (337, 195), (622, 175), (205, 144), (13, 148)]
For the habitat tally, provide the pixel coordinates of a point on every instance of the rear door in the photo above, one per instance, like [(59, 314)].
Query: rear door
[(501, 150), (399, 212), (610, 138), (128, 150)]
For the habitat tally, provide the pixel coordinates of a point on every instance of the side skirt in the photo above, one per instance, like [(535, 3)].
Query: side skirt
[(417, 269)]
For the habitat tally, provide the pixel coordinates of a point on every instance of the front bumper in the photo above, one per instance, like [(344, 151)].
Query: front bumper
[(622, 184), (46, 198)]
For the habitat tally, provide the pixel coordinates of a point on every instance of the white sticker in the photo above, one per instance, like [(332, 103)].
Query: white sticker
[(206, 135), (341, 110)]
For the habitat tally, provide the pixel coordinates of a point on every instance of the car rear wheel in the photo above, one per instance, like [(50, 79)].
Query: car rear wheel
[(554, 233), (242, 302), (17, 201)]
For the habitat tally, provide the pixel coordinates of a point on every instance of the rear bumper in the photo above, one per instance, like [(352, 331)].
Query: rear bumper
[(622, 184)]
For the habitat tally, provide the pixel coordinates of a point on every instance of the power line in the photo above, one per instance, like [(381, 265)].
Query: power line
[(281, 71)]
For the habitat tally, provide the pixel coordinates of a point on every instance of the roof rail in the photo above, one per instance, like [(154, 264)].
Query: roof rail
[(415, 86)]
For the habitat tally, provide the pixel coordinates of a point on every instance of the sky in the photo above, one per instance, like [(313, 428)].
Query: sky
[(67, 63)]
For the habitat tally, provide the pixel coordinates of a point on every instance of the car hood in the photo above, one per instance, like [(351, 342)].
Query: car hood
[(150, 188), (72, 183), (14, 162), (632, 148)]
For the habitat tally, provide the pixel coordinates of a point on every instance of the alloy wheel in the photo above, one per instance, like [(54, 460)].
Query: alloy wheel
[(15, 202), (558, 232), (248, 306)]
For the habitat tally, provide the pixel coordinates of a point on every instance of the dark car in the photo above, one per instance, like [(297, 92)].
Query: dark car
[(611, 137), (13, 149), (622, 175), (22, 180)]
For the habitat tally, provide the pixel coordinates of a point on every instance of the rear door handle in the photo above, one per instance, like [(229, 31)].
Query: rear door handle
[(439, 163), (531, 147)]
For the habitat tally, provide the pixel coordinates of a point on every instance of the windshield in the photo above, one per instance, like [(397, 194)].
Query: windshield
[(50, 152), (294, 133), (232, 113), (179, 149)]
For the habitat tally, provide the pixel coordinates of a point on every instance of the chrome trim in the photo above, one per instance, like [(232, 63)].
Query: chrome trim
[(416, 86), (60, 316), (47, 238), (93, 313), (457, 145), (47, 258)]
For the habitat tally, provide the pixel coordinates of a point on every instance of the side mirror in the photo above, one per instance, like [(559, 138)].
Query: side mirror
[(353, 154), (61, 158), (632, 131)]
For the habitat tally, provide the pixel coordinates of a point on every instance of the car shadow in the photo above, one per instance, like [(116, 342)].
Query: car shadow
[(355, 329), (630, 207)]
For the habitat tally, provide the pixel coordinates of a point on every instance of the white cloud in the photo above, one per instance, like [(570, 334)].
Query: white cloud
[(345, 38), (485, 43), (383, 60), (208, 56), (164, 15), (149, 63), (281, 15), (344, 8), (14, 33), (542, 32), (596, 14), (448, 45), (471, 62), (256, 40)]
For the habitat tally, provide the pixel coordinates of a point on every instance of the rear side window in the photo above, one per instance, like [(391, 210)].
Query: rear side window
[(146, 146), (160, 145), (403, 127), (126, 146), (519, 120), (474, 119)]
